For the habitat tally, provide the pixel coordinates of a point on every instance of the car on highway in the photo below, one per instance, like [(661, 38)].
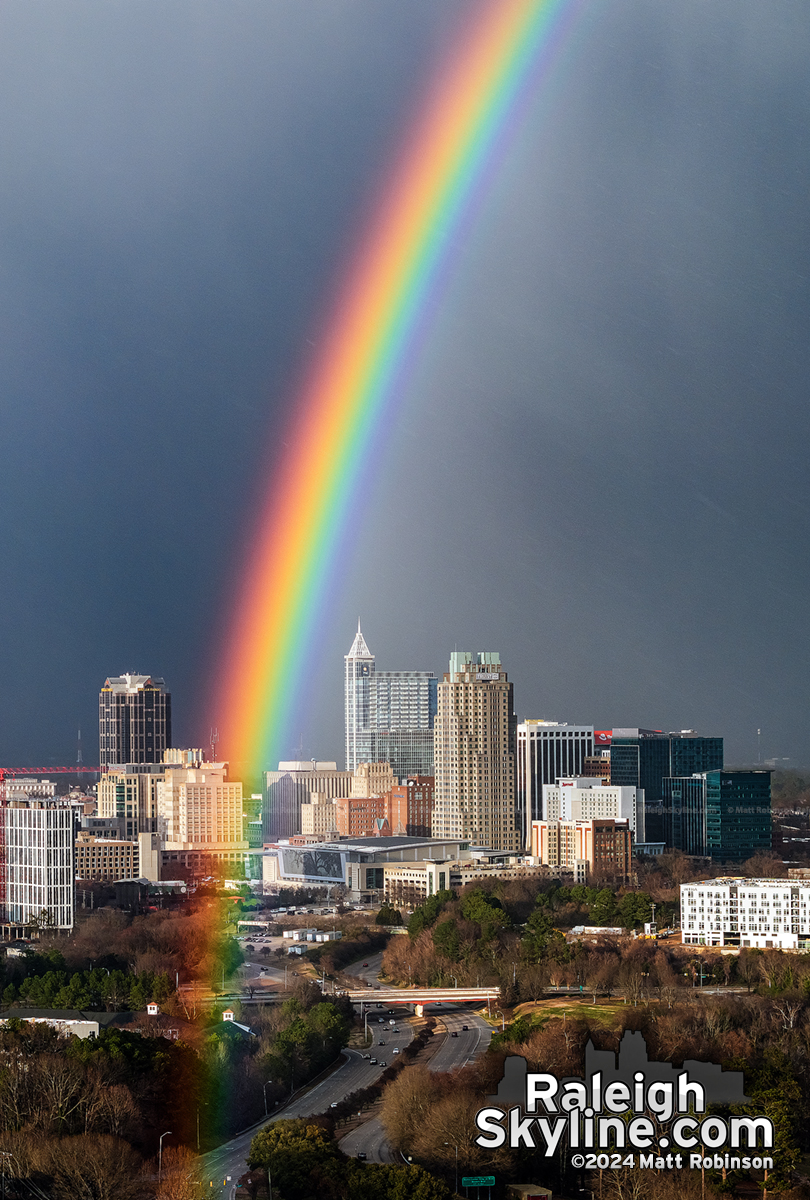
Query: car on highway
[(334, 1104), (396, 1050), (381, 1042), (365, 964), (454, 1033), (373, 1062), (396, 1029), (382, 1064), (366, 1056), (362, 1155), (465, 1027)]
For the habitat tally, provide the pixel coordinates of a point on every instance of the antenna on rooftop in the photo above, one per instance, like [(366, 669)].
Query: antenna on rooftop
[(79, 754), (214, 740)]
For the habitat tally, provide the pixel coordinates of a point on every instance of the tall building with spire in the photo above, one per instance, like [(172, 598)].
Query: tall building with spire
[(389, 714), (475, 737)]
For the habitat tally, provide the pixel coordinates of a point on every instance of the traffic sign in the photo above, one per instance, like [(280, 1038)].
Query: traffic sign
[(477, 1180)]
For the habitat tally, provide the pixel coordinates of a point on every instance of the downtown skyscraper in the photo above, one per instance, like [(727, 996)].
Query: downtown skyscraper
[(134, 720), (475, 752), (389, 714)]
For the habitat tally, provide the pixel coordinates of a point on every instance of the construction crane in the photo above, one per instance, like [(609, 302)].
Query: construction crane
[(73, 770)]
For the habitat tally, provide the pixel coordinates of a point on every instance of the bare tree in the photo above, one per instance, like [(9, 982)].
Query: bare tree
[(180, 1177), (96, 1167)]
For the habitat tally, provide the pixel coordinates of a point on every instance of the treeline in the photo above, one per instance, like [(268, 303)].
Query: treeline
[(305, 1162), (503, 934), (427, 1115), (96, 990), (192, 943), (69, 1105)]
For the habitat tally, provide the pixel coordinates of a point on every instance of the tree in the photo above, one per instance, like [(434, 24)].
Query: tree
[(293, 1151), (96, 1167), (180, 1177)]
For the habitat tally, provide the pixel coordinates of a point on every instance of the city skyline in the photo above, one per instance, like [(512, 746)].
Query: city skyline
[(597, 467)]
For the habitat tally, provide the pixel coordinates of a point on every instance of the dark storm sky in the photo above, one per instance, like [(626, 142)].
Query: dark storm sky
[(600, 469)]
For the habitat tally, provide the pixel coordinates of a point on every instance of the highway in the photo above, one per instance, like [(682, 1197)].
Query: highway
[(223, 1166), (357, 1071), (370, 1138)]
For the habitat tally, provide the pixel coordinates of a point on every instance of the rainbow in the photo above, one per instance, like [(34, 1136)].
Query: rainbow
[(351, 392)]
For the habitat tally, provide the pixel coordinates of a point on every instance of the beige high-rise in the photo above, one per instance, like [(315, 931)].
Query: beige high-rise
[(474, 748)]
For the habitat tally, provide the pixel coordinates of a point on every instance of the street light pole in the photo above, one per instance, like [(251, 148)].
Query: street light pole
[(456, 1146), (264, 1089), (503, 1020), (160, 1153)]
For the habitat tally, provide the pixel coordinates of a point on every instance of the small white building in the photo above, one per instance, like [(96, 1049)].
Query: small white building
[(299, 935), (582, 798), (762, 914)]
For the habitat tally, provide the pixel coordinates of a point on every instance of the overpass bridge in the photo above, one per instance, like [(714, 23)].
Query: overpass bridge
[(422, 996)]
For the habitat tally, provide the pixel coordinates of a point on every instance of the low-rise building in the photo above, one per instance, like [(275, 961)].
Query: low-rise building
[(601, 847), (104, 858), (761, 914)]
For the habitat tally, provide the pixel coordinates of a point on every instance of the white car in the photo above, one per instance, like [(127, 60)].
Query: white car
[(395, 1051)]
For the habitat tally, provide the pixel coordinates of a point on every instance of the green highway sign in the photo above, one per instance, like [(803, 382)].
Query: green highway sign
[(477, 1180)]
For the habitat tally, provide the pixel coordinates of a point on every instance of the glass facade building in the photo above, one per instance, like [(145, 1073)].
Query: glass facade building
[(389, 714), (723, 814), (546, 751), (646, 757)]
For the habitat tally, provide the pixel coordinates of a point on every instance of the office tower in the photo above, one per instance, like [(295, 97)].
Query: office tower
[(410, 807), (646, 757), (128, 792), (319, 817), (723, 814), (372, 779), (358, 671), (285, 790), (134, 720), (39, 863), (474, 797), (546, 751), (29, 787), (585, 799), (389, 714), (200, 808)]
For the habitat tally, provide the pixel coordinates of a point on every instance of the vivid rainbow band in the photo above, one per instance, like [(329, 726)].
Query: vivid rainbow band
[(353, 386)]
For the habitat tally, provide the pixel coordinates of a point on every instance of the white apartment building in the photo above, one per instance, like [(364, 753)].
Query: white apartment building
[(39, 863), (546, 751), (587, 799), (762, 914)]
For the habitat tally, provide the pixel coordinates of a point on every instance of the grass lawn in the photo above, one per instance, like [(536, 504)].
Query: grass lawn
[(602, 1013)]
